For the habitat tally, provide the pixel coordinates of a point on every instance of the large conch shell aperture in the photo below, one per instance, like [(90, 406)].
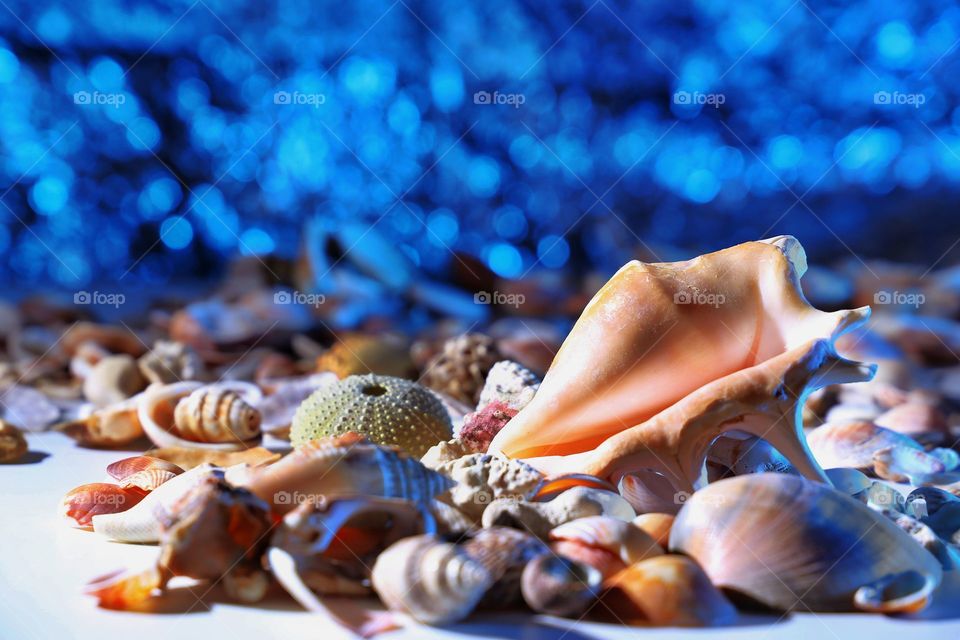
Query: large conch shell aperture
[(668, 356)]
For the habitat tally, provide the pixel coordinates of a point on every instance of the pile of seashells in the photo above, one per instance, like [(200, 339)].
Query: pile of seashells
[(658, 474)]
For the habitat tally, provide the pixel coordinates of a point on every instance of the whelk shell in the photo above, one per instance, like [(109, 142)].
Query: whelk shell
[(348, 465), (793, 544), (668, 590), (435, 582), (741, 361)]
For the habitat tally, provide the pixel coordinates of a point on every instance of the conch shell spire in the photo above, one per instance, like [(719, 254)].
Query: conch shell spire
[(667, 356)]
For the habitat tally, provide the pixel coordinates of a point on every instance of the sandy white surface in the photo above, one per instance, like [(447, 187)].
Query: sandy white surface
[(44, 564)]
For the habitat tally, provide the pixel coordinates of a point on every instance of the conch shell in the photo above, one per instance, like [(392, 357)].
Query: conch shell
[(347, 465), (668, 356), (793, 544), (189, 414)]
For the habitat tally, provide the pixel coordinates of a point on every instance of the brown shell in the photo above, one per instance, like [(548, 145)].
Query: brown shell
[(215, 414), (13, 445)]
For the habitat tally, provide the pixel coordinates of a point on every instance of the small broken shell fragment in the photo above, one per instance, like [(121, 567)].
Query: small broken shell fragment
[(13, 445), (435, 582), (559, 586), (82, 503), (539, 518), (669, 590), (510, 383)]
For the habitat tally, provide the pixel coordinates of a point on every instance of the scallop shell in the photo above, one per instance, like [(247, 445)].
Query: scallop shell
[(793, 544), (189, 414), (559, 586), (433, 581), (122, 469), (668, 590), (348, 465), (83, 503), (734, 346)]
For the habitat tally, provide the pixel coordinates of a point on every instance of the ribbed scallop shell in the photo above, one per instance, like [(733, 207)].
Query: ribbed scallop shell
[(794, 544), (122, 469), (433, 581), (215, 414), (81, 504)]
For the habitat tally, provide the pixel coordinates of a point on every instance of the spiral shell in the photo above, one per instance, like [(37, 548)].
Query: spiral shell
[(189, 414), (558, 586), (433, 581)]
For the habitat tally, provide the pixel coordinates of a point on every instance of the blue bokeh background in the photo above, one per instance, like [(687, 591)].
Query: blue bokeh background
[(147, 142)]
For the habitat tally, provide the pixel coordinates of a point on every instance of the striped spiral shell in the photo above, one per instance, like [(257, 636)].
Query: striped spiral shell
[(215, 414)]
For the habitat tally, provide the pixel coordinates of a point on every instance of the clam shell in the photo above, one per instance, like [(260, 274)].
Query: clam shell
[(433, 581), (857, 445), (793, 544), (346, 465), (657, 526), (669, 590)]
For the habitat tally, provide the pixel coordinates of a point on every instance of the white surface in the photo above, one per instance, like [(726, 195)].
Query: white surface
[(44, 564)]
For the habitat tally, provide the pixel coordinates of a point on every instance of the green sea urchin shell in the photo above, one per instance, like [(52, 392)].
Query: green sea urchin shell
[(387, 410)]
